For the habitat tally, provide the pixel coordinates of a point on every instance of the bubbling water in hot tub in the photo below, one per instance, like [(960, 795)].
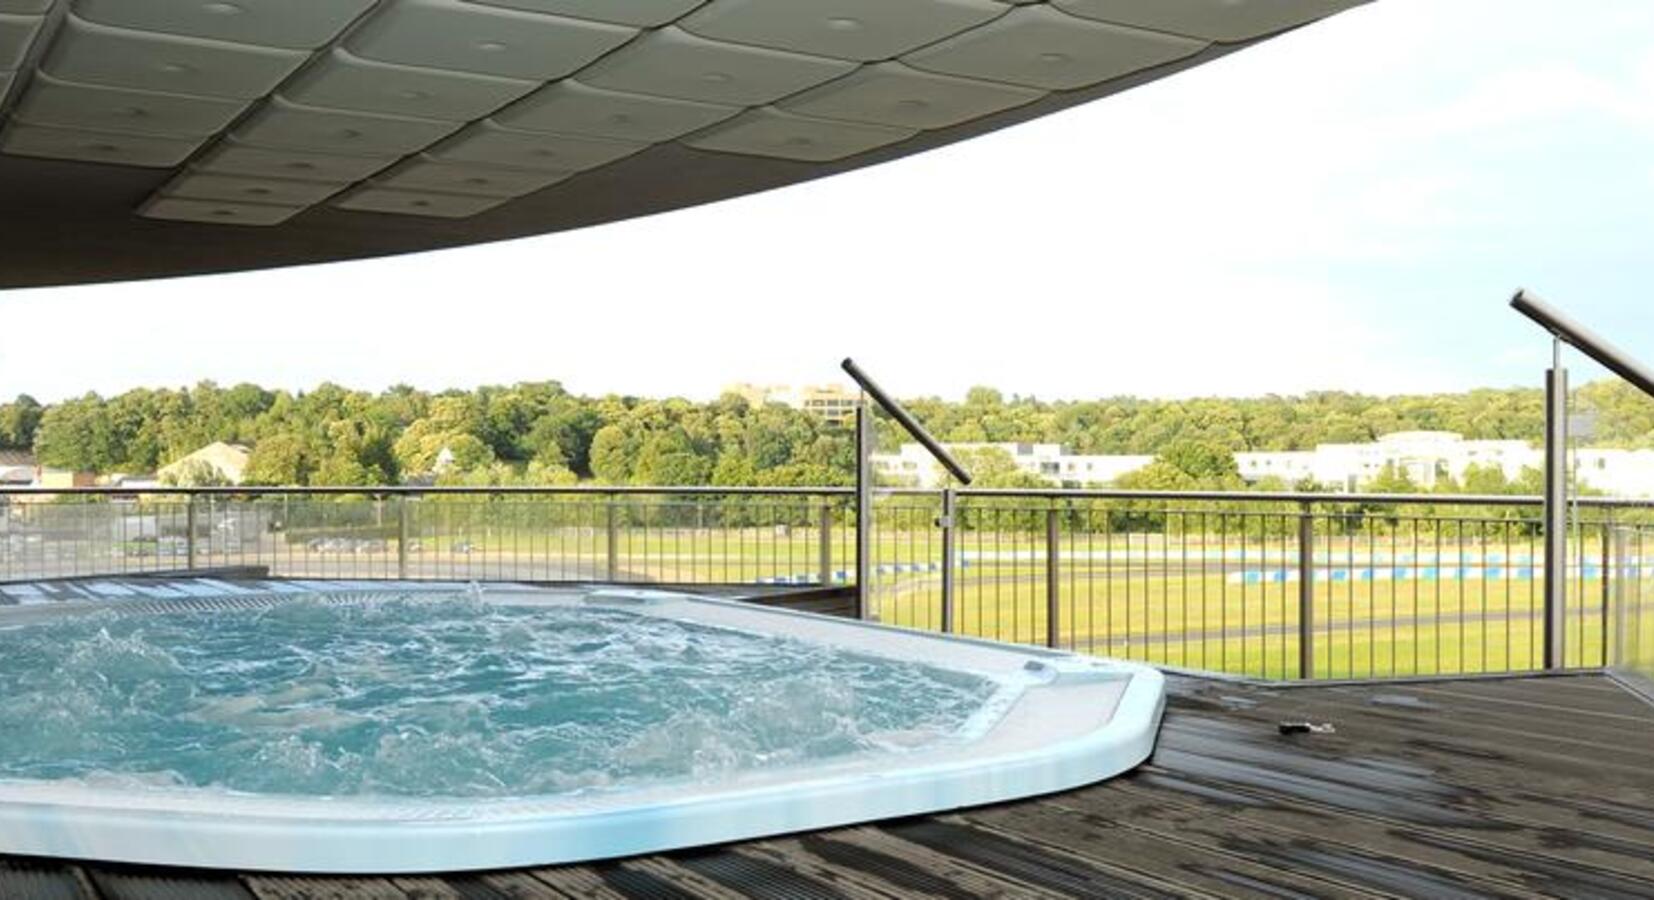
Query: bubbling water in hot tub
[(447, 695)]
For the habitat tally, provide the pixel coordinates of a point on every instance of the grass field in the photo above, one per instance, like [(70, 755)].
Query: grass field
[(1185, 601)]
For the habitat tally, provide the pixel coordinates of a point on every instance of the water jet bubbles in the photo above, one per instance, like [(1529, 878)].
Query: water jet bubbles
[(442, 693)]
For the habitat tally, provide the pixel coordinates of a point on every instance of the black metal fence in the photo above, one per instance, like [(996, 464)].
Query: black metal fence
[(1632, 644), (1270, 585), (677, 536)]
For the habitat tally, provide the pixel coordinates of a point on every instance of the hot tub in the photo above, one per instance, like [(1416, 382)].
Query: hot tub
[(419, 728)]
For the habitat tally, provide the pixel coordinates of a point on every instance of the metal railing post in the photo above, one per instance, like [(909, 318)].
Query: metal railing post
[(947, 521), (864, 511), (1620, 599), (1306, 592), (402, 538), (1053, 594), (189, 532), (1556, 512), (824, 544), (612, 543), (1607, 560)]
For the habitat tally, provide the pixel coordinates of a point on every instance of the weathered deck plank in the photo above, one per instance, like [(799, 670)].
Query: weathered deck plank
[(908, 869), (43, 879), (1512, 788), (1205, 865), (276, 887)]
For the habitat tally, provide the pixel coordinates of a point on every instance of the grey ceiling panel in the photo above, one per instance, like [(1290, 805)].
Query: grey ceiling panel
[(848, 29), (489, 144), (1217, 20), (626, 12), (297, 24), (93, 146), (217, 212), (127, 58), (899, 96), (569, 107), (51, 101), (247, 189), (1037, 46), (231, 158), (772, 132), (416, 203), (297, 126), (346, 81), (16, 34), (423, 173), (448, 34), (674, 63)]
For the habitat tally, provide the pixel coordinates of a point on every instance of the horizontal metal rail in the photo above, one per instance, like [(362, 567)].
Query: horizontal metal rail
[(405, 490), (1278, 497), (590, 490)]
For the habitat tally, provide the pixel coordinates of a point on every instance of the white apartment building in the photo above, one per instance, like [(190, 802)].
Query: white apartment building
[(912, 465), (1618, 473), (1427, 457)]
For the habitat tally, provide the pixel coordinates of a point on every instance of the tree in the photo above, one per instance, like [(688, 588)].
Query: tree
[(280, 459), (539, 430), (18, 421), (611, 455), (1391, 480), (1203, 462), (669, 458), (80, 435), (1486, 479), (992, 467)]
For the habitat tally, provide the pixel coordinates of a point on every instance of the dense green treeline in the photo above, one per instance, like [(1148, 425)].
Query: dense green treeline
[(1133, 425), (541, 433)]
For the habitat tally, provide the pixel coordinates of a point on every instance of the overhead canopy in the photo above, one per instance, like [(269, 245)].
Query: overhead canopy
[(143, 138)]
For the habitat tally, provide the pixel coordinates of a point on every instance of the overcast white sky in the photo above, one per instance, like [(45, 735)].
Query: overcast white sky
[(1348, 206)]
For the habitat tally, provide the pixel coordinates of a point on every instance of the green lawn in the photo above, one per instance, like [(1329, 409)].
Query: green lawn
[(1169, 599)]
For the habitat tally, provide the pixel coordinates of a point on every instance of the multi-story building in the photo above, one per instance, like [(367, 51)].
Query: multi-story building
[(1618, 473), (832, 403), (1427, 458), (912, 465)]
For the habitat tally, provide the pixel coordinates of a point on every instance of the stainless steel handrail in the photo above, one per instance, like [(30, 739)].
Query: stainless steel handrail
[(1564, 330), (1583, 339), (905, 419), (864, 490)]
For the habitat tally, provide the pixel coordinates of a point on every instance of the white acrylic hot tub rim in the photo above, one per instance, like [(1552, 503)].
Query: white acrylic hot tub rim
[(1077, 721)]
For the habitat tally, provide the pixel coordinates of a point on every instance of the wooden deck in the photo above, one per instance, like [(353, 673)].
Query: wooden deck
[(1510, 788)]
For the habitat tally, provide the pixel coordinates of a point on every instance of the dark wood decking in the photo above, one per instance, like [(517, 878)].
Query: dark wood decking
[(1514, 788)]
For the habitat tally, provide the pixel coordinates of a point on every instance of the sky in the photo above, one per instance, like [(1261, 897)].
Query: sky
[(1346, 207)]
